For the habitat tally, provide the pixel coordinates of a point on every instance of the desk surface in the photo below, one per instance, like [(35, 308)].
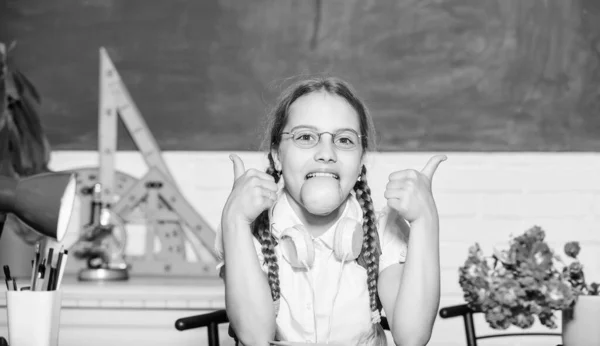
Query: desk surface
[(142, 292)]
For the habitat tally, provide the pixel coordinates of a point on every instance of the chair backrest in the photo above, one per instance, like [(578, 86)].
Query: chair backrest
[(467, 314), (212, 320)]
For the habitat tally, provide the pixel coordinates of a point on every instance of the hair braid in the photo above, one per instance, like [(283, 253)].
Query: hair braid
[(261, 229), (371, 251)]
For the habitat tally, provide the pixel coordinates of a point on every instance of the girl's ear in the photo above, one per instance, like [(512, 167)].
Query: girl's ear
[(275, 155)]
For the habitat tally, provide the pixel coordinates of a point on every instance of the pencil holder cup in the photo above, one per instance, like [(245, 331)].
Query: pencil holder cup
[(33, 317)]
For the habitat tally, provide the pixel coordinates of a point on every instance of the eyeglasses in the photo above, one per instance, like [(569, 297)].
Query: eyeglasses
[(343, 140)]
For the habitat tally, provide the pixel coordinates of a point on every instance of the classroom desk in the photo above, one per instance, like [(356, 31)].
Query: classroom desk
[(140, 311)]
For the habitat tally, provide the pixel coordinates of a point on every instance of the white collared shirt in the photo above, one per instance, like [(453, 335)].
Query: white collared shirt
[(351, 313)]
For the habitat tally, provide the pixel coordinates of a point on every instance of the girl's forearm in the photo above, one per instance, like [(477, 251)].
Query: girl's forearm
[(419, 294), (247, 293)]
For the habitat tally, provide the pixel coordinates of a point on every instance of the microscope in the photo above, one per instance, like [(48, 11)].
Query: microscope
[(102, 243)]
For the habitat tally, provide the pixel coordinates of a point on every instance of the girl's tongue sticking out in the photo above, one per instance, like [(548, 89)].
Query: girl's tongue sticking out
[(321, 193)]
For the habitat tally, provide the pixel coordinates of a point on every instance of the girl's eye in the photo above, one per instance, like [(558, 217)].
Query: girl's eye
[(305, 137), (346, 140)]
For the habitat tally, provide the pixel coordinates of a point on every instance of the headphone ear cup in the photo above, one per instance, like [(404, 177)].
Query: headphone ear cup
[(348, 239), (297, 247)]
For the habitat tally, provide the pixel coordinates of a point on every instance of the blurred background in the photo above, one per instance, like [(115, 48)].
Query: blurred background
[(495, 75)]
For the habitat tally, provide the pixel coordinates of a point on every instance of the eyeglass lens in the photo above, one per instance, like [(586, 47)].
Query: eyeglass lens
[(344, 140)]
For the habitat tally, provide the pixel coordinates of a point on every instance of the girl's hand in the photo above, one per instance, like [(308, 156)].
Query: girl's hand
[(409, 191), (253, 192)]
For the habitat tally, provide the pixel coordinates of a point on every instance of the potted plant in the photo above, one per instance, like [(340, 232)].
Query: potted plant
[(513, 286), (580, 322)]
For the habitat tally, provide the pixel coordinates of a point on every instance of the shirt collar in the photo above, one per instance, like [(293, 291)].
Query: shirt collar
[(282, 216)]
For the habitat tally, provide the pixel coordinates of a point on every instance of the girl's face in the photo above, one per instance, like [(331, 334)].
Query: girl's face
[(320, 112)]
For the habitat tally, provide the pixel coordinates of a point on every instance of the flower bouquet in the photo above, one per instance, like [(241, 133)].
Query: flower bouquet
[(513, 286)]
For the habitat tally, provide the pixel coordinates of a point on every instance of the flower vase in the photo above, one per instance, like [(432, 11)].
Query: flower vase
[(580, 324)]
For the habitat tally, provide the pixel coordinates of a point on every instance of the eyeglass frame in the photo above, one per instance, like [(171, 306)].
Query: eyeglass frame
[(319, 134)]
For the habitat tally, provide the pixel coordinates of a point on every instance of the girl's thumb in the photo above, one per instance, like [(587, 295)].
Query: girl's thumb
[(238, 166)]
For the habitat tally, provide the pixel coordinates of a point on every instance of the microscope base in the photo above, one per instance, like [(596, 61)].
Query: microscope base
[(103, 274)]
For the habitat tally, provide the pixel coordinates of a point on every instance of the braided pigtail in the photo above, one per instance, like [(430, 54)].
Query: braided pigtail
[(369, 256), (261, 229)]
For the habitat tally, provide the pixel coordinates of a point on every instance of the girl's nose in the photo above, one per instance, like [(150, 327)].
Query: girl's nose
[(325, 149)]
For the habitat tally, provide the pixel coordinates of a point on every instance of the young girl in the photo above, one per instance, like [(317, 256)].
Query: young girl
[(304, 257)]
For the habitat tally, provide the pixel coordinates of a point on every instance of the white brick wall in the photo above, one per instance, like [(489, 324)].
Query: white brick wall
[(482, 197)]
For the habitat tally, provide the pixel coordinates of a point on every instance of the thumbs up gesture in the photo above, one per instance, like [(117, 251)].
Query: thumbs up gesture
[(409, 191), (253, 191)]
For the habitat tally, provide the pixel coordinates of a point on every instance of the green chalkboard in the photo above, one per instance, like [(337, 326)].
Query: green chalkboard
[(499, 75)]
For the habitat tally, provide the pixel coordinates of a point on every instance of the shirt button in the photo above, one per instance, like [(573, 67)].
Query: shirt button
[(308, 306)]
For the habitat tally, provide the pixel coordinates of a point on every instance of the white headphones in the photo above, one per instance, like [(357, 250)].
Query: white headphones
[(297, 246), (298, 249)]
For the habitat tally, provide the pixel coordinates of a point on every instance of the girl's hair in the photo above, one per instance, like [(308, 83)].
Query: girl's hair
[(369, 256)]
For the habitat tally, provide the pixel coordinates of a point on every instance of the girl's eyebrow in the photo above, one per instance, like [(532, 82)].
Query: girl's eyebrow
[(303, 127), (316, 129)]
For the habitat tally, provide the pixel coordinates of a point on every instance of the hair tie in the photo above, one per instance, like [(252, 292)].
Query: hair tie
[(375, 317), (276, 306)]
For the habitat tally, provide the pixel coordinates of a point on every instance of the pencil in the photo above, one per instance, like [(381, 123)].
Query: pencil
[(36, 264), (10, 283), (51, 279), (39, 282), (7, 277), (60, 267)]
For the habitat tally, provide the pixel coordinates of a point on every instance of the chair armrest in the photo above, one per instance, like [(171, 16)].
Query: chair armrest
[(204, 320), (455, 310)]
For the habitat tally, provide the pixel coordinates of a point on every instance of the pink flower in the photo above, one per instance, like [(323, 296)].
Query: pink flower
[(572, 249), (523, 320), (559, 294), (507, 292)]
